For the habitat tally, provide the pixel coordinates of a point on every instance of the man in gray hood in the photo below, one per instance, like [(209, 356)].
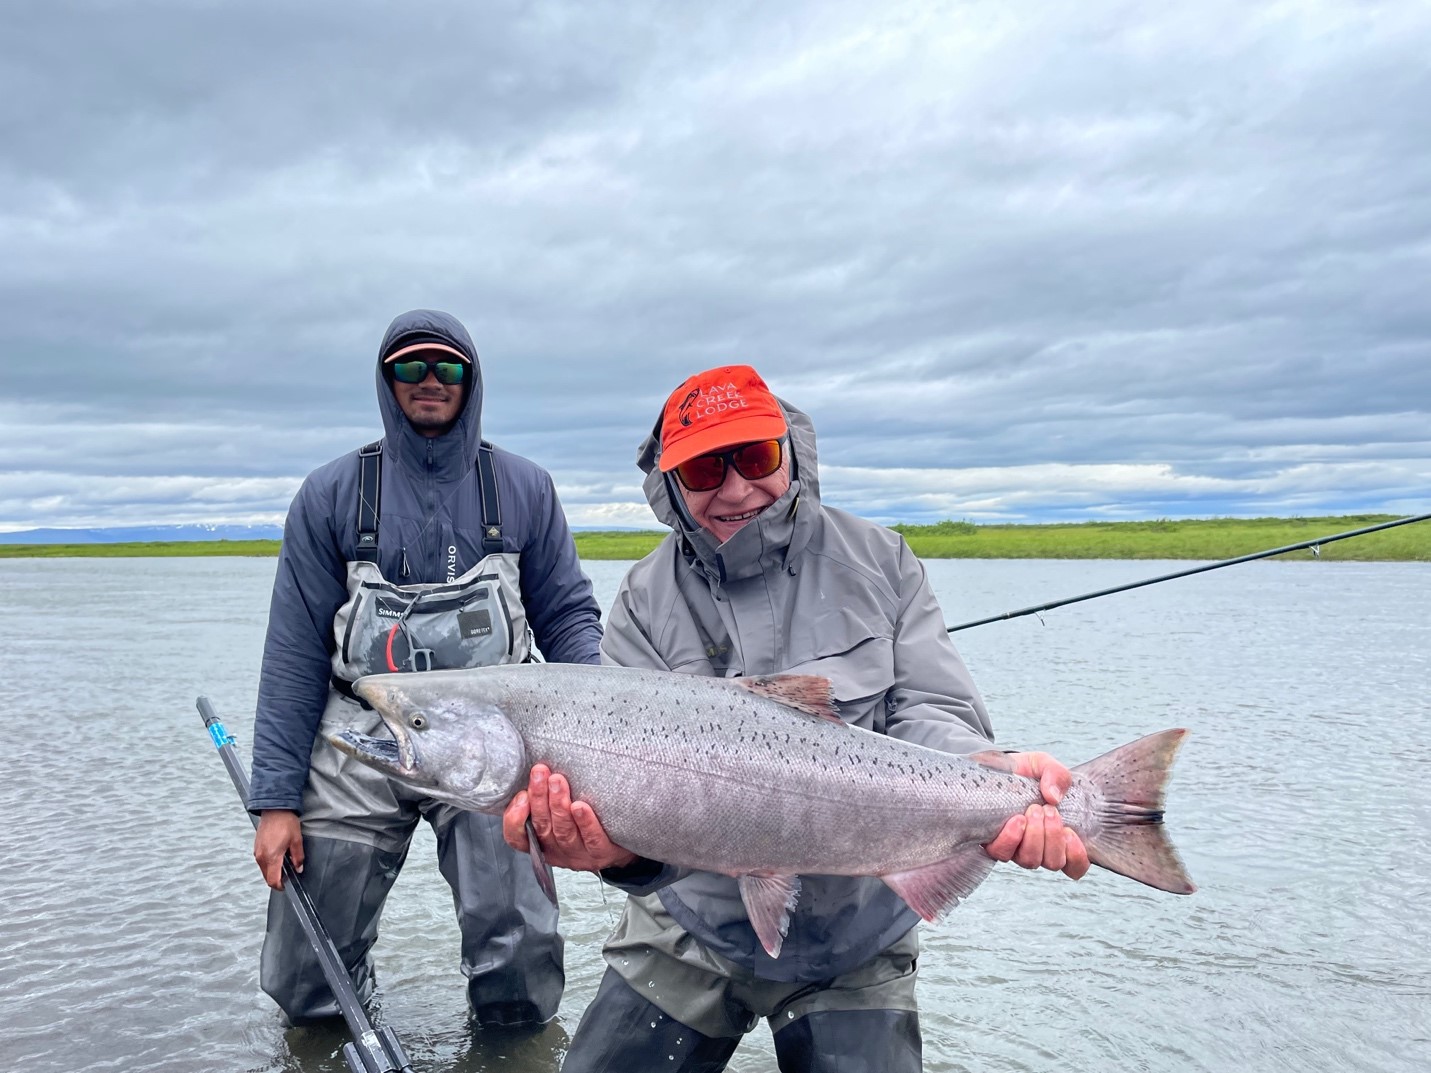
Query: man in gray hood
[(758, 577), (427, 549)]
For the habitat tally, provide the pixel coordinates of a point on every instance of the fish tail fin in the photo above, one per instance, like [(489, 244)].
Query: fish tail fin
[(1131, 839)]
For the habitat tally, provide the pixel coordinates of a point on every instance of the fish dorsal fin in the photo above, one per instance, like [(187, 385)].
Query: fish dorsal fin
[(934, 889), (808, 693), (769, 901)]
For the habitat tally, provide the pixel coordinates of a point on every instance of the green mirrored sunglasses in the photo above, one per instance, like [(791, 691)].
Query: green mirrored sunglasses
[(415, 372)]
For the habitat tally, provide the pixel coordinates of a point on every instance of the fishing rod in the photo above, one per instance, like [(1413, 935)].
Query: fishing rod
[(371, 1050), (1315, 545)]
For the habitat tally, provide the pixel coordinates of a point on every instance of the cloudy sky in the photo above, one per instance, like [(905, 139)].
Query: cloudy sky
[(1020, 260)]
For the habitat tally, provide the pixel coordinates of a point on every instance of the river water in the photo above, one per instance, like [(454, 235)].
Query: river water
[(131, 912)]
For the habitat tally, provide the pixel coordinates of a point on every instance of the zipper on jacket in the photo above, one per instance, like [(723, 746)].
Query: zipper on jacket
[(435, 503)]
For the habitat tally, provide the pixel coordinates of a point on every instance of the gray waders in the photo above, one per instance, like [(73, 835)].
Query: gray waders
[(668, 1002), (511, 949), (617, 1036), (357, 825)]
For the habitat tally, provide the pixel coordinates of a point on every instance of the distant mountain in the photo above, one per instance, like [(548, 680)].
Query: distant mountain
[(143, 533)]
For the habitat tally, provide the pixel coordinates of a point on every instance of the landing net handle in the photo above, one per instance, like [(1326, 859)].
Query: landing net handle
[(373, 1050)]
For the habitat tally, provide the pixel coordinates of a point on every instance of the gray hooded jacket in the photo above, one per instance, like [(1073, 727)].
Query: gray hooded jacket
[(803, 589), (430, 529)]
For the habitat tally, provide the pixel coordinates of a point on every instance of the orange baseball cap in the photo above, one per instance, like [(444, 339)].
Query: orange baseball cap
[(715, 409)]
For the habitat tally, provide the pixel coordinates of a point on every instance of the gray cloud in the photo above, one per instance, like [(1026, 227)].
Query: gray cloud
[(1017, 260)]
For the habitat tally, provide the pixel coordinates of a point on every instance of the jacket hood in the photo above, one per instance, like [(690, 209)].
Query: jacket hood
[(454, 453), (771, 540)]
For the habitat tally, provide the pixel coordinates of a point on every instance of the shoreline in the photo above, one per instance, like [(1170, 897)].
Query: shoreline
[(1195, 539)]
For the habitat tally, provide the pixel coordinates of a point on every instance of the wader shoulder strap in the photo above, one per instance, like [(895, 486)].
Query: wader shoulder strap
[(370, 472), (491, 503)]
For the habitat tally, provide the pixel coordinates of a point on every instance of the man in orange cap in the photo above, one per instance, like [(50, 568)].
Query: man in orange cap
[(759, 577)]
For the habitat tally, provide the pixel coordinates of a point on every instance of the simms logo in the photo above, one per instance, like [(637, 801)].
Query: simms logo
[(388, 609)]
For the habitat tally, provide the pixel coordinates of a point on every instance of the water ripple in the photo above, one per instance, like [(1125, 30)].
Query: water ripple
[(133, 914)]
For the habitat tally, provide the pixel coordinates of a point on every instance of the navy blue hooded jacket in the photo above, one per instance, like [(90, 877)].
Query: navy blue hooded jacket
[(430, 503)]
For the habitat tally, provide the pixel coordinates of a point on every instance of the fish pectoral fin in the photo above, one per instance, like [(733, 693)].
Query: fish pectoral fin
[(545, 878), (769, 901), (808, 693), (934, 889)]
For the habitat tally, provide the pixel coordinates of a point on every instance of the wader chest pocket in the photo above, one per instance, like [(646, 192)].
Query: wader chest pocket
[(476, 623), (392, 628)]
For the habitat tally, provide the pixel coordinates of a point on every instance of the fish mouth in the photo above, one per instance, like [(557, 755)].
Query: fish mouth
[(392, 756), (396, 755)]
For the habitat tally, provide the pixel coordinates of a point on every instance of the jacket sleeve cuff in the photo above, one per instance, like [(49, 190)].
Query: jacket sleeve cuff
[(642, 876), (289, 804)]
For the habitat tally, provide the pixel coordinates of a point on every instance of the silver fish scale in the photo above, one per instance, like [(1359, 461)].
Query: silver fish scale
[(837, 799)]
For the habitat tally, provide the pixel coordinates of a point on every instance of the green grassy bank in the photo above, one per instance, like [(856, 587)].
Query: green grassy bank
[(147, 549), (1200, 538)]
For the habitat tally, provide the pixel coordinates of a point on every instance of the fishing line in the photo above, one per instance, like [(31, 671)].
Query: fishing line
[(1315, 544)]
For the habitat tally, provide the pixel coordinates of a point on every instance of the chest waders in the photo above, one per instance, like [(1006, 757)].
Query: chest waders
[(475, 620), (357, 825)]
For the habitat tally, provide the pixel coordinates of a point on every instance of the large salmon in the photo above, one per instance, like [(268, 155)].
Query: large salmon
[(757, 778)]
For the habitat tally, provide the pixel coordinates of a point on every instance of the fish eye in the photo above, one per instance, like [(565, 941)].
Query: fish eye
[(418, 721)]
